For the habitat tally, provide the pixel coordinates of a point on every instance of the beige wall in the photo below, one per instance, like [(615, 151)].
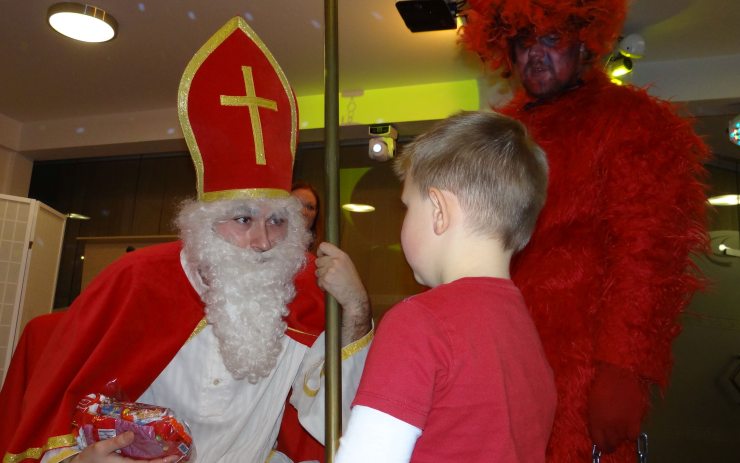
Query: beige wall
[(712, 78), (15, 169), (10, 133), (15, 173)]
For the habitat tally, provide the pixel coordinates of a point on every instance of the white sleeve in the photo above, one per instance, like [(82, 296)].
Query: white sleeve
[(374, 436), (308, 387)]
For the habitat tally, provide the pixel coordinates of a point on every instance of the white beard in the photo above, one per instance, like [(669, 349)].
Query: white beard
[(248, 291)]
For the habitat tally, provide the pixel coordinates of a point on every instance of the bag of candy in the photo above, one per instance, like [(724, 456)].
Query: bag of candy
[(157, 433)]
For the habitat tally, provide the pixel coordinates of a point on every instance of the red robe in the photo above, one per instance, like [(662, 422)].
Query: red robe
[(117, 336), (607, 271)]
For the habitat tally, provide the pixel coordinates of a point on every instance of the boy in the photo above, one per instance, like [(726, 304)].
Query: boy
[(457, 373)]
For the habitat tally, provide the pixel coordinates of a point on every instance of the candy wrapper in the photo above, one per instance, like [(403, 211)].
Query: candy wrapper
[(157, 433)]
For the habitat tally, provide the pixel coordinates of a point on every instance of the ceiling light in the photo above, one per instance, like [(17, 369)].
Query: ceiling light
[(358, 207), (724, 200), (86, 23)]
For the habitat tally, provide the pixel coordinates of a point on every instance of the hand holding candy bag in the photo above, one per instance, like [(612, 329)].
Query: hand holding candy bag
[(157, 433)]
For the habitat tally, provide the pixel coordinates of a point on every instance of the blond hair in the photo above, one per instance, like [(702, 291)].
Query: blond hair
[(497, 172)]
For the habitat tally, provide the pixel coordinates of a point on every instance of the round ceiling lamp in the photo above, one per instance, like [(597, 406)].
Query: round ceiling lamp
[(86, 23)]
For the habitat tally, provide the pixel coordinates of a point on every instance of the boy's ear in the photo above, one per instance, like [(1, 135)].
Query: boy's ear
[(440, 211)]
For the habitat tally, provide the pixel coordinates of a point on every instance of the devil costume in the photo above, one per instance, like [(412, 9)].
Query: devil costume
[(608, 269)]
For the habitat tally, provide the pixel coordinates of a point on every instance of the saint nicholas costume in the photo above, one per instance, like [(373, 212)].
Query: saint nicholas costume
[(139, 331), (608, 270)]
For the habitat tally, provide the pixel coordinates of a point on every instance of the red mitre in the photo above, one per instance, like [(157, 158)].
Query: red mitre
[(239, 117)]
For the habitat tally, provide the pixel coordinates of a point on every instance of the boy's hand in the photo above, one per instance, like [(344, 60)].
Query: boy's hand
[(338, 276), (105, 452)]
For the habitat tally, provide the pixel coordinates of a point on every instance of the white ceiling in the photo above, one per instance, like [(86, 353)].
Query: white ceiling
[(46, 76)]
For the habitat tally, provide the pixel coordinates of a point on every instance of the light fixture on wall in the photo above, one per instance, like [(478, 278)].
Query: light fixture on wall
[(621, 62), (82, 22), (352, 207), (618, 65), (728, 251), (76, 216), (734, 130), (724, 200), (632, 46), (382, 144)]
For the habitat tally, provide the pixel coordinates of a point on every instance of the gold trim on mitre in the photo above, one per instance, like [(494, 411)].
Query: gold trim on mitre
[(182, 98), (247, 193)]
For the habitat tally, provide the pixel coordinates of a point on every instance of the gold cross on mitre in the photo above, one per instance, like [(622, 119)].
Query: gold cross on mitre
[(253, 102)]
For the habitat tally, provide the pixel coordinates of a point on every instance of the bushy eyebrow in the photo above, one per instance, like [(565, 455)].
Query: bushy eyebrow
[(245, 211), (276, 215)]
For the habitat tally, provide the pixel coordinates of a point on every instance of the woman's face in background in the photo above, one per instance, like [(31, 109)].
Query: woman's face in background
[(308, 201)]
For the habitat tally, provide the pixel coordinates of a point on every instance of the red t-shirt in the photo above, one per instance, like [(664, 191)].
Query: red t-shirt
[(463, 363)]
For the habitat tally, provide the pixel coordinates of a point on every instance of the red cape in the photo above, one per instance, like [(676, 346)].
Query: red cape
[(117, 336)]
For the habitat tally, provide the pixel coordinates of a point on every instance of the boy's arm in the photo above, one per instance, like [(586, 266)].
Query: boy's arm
[(374, 436), (397, 388)]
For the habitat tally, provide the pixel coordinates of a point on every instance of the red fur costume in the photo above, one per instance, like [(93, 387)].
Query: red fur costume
[(608, 269)]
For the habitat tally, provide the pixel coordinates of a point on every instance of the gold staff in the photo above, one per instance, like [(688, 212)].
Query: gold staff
[(333, 393)]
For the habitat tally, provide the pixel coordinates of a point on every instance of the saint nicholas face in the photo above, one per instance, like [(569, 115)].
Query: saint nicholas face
[(257, 228)]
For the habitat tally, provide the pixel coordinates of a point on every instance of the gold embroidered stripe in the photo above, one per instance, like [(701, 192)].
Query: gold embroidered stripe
[(198, 328), (303, 332), (247, 193), (35, 453), (351, 349)]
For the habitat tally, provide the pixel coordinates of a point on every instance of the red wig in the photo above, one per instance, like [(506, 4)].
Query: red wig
[(492, 24)]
